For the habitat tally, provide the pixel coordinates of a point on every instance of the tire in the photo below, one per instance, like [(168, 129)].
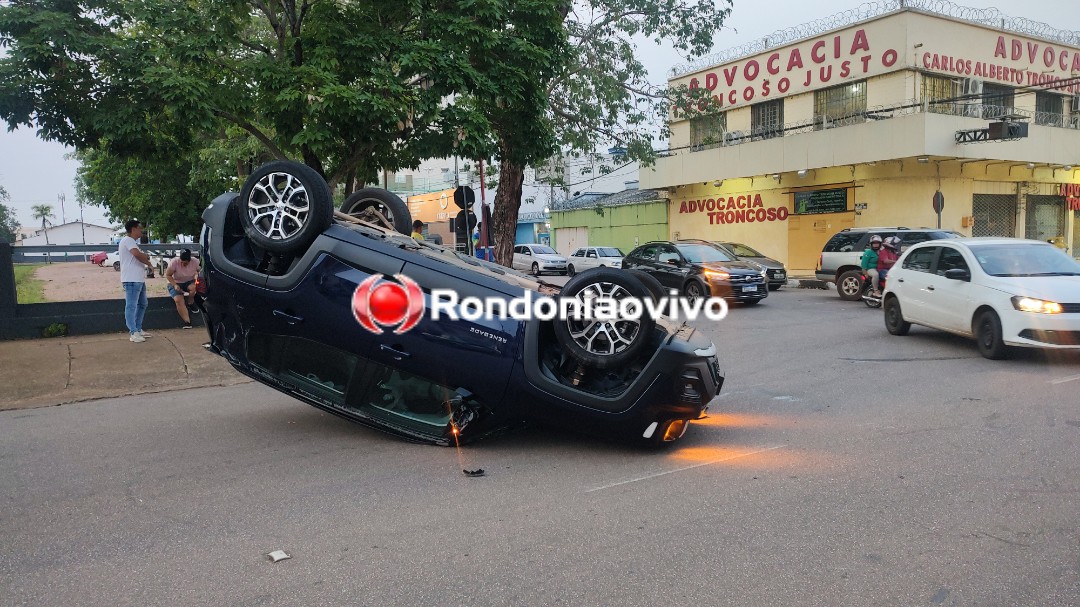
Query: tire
[(655, 288), (987, 329), (570, 270), (693, 290), (284, 205), (590, 342), (535, 270), (894, 317), (849, 285), (116, 266), (775, 287), (387, 204)]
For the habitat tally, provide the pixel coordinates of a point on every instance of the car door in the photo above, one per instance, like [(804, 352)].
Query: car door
[(519, 258), (671, 267), (949, 301), (644, 259), (913, 281), (577, 259), (591, 258)]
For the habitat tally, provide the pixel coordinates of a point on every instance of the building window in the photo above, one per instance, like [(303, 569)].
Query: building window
[(1049, 109), (939, 95), (997, 100), (767, 119), (840, 105), (707, 132)]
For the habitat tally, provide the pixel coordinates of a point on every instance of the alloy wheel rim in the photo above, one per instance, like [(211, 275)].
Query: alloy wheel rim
[(278, 206), (603, 337), (850, 286)]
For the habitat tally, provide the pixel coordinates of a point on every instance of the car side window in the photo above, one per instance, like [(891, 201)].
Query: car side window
[(648, 253), (950, 259), (517, 250), (591, 253), (911, 238), (920, 259), (526, 251), (842, 242), (579, 253), (668, 254)]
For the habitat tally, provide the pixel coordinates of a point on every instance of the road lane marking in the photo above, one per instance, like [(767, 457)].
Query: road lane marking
[(1065, 379), (709, 463)]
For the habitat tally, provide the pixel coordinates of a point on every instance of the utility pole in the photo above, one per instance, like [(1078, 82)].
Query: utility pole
[(61, 198)]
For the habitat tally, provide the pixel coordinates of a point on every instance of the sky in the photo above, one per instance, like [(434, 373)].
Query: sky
[(35, 171)]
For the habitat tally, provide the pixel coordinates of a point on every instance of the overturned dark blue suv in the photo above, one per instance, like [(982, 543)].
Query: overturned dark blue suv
[(283, 269)]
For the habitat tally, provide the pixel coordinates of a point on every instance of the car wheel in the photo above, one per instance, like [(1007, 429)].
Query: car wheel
[(894, 318), (693, 291), (604, 344), (535, 269), (387, 204), (655, 288), (989, 337), (570, 271), (849, 285), (284, 205), (116, 266)]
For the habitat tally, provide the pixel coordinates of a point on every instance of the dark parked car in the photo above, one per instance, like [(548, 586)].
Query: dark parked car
[(698, 268), (775, 272), (290, 283)]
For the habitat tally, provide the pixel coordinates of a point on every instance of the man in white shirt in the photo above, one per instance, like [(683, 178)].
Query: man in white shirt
[(133, 264)]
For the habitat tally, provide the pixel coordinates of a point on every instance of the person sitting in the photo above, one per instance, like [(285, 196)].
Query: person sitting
[(869, 261), (417, 230), (890, 252), (181, 275)]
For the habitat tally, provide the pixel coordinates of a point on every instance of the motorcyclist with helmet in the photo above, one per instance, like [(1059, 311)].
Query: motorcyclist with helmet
[(890, 252), (870, 258)]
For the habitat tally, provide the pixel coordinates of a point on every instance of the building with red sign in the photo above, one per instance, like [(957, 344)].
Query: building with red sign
[(863, 118)]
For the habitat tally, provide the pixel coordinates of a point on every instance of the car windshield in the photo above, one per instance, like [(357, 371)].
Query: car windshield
[(1026, 259), (703, 253), (608, 252), (742, 250), (542, 250)]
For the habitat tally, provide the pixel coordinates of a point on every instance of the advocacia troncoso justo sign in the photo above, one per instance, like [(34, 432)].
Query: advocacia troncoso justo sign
[(742, 208)]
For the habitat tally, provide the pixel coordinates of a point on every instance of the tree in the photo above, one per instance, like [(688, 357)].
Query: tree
[(9, 224), (44, 212), (601, 97), (348, 87)]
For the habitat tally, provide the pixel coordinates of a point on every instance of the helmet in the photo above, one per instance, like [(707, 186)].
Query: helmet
[(892, 242), (875, 238)]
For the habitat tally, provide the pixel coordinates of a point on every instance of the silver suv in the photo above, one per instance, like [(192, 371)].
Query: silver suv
[(839, 261)]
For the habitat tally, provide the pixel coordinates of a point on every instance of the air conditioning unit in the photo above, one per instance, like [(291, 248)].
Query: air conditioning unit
[(973, 86), (732, 138), (972, 103)]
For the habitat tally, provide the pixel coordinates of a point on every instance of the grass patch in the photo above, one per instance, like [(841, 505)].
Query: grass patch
[(28, 289)]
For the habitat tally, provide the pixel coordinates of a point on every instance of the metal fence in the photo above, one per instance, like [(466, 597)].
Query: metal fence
[(995, 215)]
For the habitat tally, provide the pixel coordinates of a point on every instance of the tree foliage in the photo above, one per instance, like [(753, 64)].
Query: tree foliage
[(9, 223)]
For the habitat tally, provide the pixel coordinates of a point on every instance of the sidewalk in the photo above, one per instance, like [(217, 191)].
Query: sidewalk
[(48, 372)]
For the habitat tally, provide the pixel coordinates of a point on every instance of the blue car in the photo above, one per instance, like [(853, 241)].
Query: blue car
[(336, 308)]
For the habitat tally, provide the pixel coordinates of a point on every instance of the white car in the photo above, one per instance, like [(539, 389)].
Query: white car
[(1002, 291), (537, 259), (593, 257)]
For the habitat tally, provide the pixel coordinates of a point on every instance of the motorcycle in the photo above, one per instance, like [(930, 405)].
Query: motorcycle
[(867, 292)]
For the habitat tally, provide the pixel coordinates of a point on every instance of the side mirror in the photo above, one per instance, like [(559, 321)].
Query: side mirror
[(958, 274), (673, 262)]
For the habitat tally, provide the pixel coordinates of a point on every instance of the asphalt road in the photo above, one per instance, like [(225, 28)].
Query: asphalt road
[(841, 466)]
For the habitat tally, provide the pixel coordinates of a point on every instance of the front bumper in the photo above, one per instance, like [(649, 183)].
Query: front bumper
[(1027, 329)]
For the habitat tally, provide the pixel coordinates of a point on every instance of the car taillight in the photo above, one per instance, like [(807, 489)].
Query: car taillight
[(820, 259)]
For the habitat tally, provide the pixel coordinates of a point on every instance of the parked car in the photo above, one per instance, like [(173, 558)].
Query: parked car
[(775, 272), (839, 261), (586, 258), (289, 303), (98, 259), (537, 259), (112, 259), (1004, 292), (697, 268)]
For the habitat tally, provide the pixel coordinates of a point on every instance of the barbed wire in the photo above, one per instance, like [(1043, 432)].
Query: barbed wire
[(983, 16)]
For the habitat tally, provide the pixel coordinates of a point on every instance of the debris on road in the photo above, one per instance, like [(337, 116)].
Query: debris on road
[(278, 555), (474, 473)]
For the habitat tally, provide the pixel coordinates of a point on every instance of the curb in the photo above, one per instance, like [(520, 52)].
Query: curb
[(808, 283)]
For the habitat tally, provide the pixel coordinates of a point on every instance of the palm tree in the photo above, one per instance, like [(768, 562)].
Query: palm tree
[(44, 212)]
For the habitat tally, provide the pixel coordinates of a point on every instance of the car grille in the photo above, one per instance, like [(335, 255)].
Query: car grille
[(746, 279), (1070, 308), (714, 368)]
